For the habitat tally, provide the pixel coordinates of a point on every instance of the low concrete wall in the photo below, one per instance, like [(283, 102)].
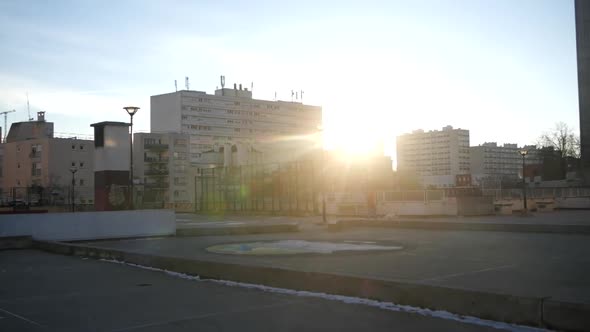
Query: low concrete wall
[(500, 307), (461, 226), (475, 206), (238, 230), (89, 225), (418, 208), (572, 203)]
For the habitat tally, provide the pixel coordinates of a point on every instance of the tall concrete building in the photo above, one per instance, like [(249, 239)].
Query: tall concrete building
[(492, 164), (32, 156), (161, 166), (435, 157), (582, 8), (230, 116)]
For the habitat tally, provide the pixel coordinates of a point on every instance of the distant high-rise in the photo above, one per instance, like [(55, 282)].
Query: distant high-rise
[(436, 157), (582, 8), (230, 116)]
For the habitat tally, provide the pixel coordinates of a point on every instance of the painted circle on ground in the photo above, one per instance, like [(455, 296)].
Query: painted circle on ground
[(294, 247)]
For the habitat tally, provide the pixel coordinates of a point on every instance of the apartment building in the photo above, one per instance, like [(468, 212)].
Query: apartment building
[(230, 116), (33, 157), (435, 157), (161, 167), (492, 163)]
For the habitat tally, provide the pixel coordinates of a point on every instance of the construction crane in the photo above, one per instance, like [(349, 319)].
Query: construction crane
[(6, 122)]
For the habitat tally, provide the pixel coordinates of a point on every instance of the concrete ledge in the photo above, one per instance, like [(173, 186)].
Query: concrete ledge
[(492, 306), (15, 242), (238, 230), (566, 316), (463, 226)]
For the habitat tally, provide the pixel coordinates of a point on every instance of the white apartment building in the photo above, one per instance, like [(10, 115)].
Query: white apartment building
[(491, 163), (229, 117), (436, 157), (161, 166), (31, 157)]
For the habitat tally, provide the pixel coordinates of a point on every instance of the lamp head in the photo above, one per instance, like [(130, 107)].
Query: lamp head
[(131, 110), (73, 169), (523, 152)]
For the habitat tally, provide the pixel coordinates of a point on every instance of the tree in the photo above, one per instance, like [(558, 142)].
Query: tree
[(563, 139), (560, 148)]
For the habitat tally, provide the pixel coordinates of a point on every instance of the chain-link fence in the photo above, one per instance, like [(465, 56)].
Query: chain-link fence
[(286, 187), (55, 199)]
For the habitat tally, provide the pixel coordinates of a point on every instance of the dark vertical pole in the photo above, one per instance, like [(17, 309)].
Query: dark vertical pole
[(73, 188), (297, 186), (323, 172), (272, 192), (207, 199), (195, 196), (241, 190), (523, 185), (131, 164), (280, 190)]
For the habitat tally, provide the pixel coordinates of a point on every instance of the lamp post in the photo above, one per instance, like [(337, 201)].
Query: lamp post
[(323, 182), (131, 110), (73, 170), (523, 153)]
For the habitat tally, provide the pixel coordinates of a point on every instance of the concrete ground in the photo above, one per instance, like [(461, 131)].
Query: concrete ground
[(561, 217), (527, 264), (45, 292)]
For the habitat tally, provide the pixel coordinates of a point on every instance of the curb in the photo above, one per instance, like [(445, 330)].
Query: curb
[(15, 242), (462, 226), (499, 307), (238, 230)]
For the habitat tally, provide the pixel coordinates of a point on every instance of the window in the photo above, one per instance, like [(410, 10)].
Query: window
[(17, 165), (81, 182), (81, 164), (73, 164), (81, 146), (73, 147)]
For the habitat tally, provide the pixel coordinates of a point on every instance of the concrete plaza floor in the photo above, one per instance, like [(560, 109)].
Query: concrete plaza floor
[(46, 292), (555, 266)]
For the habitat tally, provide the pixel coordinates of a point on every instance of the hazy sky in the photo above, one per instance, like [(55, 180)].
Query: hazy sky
[(504, 69)]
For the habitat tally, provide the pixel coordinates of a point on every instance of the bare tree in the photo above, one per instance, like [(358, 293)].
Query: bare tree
[(563, 139)]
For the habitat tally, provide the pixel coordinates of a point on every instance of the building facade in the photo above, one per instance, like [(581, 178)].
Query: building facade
[(492, 165), (32, 157), (582, 13), (162, 169), (435, 157), (230, 116)]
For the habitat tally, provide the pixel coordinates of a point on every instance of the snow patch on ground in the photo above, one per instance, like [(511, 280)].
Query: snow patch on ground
[(349, 300)]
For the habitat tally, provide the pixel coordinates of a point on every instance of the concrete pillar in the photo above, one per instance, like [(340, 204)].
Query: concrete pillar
[(111, 165)]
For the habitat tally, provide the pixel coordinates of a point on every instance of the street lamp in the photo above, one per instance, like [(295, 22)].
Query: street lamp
[(73, 170), (131, 110), (323, 182), (523, 153)]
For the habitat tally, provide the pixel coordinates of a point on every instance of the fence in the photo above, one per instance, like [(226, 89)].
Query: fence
[(286, 187), (57, 198), (534, 193)]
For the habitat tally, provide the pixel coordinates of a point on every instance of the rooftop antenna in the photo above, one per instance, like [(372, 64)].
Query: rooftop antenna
[(5, 122), (175, 86), (275, 96), (302, 96), (252, 86), (186, 83), (222, 78), (292, 94), (29, 108)]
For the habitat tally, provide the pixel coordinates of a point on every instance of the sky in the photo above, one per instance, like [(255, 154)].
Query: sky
[(504, 69)]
